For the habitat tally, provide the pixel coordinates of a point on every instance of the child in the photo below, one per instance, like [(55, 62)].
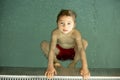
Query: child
[(66, 44)]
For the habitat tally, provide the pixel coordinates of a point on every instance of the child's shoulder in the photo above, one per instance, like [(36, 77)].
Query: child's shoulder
[(55, 32), (76, 34), (76, 31)]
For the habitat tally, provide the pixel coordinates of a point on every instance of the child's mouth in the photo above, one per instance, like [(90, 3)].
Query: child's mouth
[(65, 30)]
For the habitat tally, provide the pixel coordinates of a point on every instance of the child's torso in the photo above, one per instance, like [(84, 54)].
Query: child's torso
[(66, 41)]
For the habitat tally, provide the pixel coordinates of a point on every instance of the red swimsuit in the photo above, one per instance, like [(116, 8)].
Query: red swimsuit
[(65, 54)]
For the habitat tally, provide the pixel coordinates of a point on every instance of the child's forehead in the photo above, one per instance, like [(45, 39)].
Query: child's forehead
[(62, 18)]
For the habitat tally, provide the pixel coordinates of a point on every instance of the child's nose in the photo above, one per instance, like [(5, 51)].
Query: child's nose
[(65, 25)]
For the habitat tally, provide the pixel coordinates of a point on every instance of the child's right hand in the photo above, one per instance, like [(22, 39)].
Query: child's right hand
[(50, 72)]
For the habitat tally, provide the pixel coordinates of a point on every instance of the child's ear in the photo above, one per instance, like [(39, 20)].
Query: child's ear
[(74, 24)]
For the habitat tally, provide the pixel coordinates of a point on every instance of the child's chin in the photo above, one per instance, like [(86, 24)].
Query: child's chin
[(65, 32)]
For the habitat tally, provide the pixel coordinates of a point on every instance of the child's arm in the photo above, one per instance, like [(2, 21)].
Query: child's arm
[(84, 70), (51, 70)]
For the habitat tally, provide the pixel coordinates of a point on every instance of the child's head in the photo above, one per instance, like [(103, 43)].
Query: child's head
[(66, 13), (66, 21)]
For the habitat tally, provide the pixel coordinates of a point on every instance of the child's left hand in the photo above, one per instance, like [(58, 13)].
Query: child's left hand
[(85, 73)]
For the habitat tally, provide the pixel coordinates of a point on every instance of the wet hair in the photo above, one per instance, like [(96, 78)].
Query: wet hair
[(64, 12)]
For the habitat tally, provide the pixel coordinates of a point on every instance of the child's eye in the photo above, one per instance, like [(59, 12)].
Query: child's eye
[(62, 23), (69, 23)]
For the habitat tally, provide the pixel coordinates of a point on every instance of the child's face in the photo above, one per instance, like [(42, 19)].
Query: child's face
[(66, 24)]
